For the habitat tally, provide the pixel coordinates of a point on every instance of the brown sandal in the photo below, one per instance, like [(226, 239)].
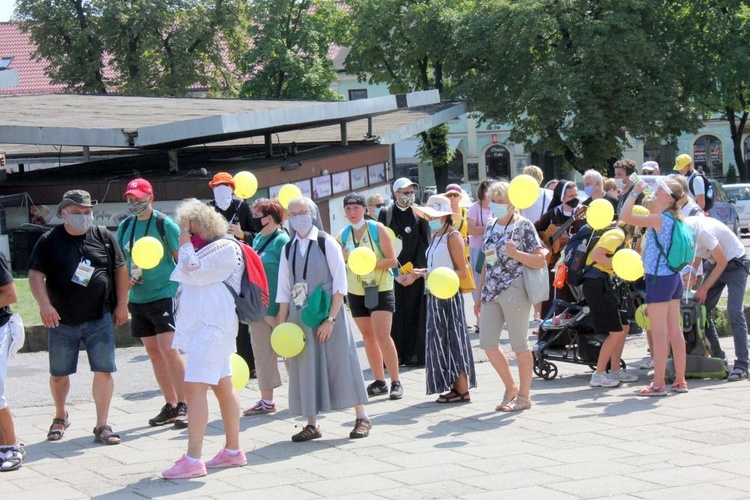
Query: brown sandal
[(454, 397), (105, 435), (57, 434)]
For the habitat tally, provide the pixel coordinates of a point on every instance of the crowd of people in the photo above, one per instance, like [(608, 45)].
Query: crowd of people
[(86, 282)]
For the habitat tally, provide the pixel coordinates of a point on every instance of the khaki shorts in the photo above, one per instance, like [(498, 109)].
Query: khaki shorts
[(511, 308)]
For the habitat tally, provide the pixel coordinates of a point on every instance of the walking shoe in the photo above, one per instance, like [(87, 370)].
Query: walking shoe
[(226, 459), (397, 390), (167, 415), (260, 408), (181, 421), (647, 365), (184, 468), (377, 388), (602, 380), (307, 433), (622, 376), (362, 428)]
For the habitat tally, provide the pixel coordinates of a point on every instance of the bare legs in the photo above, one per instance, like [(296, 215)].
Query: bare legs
[(499, 362), (169, 367), (198, 403), (379, 346), (102, 390), (666, 331)]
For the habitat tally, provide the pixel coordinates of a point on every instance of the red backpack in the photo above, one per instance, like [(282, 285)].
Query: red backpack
[(252, 302)]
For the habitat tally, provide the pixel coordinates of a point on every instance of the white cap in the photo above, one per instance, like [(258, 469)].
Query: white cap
[(402, 182)]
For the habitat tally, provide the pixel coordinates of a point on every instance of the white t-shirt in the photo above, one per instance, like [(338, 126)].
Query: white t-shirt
[(709, 233), (699, 187), (535, 211), (691, 209)]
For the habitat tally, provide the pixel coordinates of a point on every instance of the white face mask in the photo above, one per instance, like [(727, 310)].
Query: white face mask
[(223, 196), (358, 225), (619, 183), (79, 222)]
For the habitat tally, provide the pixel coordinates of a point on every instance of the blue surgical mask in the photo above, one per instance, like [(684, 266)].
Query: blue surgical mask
[(589, 190), (436, 225), (499, 210), (377, 212)]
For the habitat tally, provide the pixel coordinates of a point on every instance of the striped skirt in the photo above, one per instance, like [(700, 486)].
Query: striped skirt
[(448, 352)]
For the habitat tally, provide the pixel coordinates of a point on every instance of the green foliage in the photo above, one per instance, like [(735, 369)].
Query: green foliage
[(287, 57), (576, 78), (155, 48)]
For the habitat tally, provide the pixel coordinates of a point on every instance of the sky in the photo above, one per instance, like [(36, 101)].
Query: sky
[(6, 9)]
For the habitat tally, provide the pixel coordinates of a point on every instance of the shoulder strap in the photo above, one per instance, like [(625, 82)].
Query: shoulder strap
[(373, 225), (321, 244), (389, 215), (160, 222), (125, 226), (345, 234)]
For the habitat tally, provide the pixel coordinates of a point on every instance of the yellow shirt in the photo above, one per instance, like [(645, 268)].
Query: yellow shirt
[(461, 225), (611, 240), (381, 276)]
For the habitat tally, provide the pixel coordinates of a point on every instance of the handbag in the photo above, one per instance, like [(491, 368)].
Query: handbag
[(467, 284), (536, 282)]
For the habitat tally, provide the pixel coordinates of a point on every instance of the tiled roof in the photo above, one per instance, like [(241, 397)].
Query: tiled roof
[(31, 76)]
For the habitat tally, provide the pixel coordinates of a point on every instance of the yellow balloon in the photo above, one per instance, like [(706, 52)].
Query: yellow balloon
[(147, 252), (362, 261), (287, 193), (640, 210), (641, 319), (240, 372), (523, 191), (245, 184), (443, 282), (600, 214), (288, 340), (627, 264)]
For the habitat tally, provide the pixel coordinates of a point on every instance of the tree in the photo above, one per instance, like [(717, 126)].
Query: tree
[(714, 38), (406, 44), (289, 42), (577, 78), (147, 47)]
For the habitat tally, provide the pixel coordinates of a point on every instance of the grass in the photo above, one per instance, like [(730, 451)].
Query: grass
[(26, 306)]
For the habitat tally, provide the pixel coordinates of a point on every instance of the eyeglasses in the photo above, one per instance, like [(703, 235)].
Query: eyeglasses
[(294, 214), (379, 205)]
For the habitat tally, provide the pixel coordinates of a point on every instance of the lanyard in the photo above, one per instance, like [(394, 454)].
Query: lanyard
[(356, 243), (268, 241), (132, 233), (431, 252), (307, 258)]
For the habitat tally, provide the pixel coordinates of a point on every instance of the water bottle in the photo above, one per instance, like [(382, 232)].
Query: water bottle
[(561, 276), (635, 179)]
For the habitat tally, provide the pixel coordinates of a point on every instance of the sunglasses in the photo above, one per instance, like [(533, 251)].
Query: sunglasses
[(379, 205), (453, 195)]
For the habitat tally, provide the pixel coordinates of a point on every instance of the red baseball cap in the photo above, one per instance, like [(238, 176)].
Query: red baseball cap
[(139, 188)]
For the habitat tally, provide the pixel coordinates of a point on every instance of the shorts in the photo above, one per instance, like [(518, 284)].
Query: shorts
[(198, 370), (98, 337), (151, 318), (511, 309), (663, 288), (5, 340), (604, 302), (386, 302)]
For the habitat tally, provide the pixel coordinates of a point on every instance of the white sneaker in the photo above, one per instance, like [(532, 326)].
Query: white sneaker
[(622, 376), (647, 365), (602, 380)]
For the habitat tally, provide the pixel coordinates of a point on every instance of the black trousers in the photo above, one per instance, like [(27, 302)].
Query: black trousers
[(244, 347), (410, 323)]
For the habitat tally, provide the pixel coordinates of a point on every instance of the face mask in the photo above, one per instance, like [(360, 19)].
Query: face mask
[(80, 223), (377, 212), (407, 200), (223, 196), (358, 225), (256, 225), (301, 223), (589, 190), (499, 210), (197, 242), (138, 208), (435, 225), (572, 203), (619, 183)]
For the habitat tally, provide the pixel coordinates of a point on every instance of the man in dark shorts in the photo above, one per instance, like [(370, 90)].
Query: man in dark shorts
[(151, 298), (78, 277)]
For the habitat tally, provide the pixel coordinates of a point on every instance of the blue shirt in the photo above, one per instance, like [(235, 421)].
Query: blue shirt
[(651, 254)]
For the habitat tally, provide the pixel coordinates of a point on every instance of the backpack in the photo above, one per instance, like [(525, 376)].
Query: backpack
[(372, 226), (321, 244), (709, 194), (577, 251), (160, 218), (681, 248), (252, 302)]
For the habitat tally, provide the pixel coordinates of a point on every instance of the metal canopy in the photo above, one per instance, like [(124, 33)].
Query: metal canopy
[(144, 122)]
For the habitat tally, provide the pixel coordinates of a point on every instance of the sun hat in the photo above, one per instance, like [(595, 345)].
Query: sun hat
[(437, 206), (453, 188), (222, 178), (75, 197)]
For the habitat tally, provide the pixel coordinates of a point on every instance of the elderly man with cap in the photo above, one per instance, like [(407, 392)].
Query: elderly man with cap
[(242, 226), (151, 298), (650, 168), (78, 277), (409, 320), (697, 184)]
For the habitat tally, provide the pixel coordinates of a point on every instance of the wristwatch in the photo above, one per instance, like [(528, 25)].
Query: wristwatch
[(331, 319)]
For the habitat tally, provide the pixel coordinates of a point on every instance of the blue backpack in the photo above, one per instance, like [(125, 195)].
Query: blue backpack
[(681, 248)]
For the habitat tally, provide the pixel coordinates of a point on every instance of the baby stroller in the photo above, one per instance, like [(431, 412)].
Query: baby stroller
[(700, 364), (567, 335)]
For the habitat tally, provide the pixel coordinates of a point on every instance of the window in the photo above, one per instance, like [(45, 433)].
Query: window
[(497, 159), (708, 155), (355, 94)]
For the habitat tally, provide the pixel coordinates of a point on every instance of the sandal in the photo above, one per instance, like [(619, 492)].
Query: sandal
[(654, 390), (105, 435), (506, 402), (680, 387), (519, 404), (454, 397), (737, 375), (57, 434)]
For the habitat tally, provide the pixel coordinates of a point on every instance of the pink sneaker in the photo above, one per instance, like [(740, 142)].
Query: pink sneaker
[(226, 459), (185, 469)]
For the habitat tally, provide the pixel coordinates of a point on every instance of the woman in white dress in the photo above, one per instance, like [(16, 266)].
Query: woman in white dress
[(206, 328)]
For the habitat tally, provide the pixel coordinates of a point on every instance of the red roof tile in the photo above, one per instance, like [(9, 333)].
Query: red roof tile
[(31, 76)]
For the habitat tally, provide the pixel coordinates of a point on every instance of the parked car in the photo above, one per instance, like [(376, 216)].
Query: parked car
[(723, 208), (741, 192)]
